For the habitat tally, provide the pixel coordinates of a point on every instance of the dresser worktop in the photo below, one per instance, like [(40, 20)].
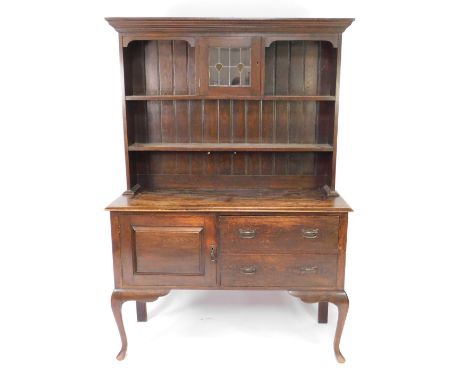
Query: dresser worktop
[(229, 201)]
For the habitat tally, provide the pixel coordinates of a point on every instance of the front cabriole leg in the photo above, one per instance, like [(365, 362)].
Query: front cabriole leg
[(340, 299), (119, 296)]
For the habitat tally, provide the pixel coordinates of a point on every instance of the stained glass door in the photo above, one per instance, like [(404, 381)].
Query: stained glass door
[(229, 65)]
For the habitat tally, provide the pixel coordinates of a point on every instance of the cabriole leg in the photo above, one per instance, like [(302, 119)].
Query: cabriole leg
[(343, 304), (118, 298), (340, 299)]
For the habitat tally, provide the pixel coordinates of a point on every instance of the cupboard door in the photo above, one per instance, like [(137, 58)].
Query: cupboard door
[(165, 250), (229, 65)]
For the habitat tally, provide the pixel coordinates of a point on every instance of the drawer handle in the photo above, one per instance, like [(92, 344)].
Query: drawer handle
[(248, 270), (247, 233), (313, 269), (310, 233)]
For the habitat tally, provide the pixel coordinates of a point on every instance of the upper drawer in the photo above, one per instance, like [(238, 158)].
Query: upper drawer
[(279, 234)]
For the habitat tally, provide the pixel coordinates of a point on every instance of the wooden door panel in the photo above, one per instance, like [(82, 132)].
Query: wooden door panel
[(167, 250)]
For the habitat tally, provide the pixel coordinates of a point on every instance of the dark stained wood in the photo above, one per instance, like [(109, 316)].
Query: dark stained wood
[(230, 187), (230, 97), (142, 314), (151, 56), (119, 297), (316, 271), (255, 46), (266, 147), (151, 68), (167, 250), (134, 190), (191, 26), (323, 312), (338, 298), (245, 201), (179, 250), (301, 69), (116, 258), (211, 179), (165, 67), (279, 235)]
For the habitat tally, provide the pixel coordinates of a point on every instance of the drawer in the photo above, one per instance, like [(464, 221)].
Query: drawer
[(279, 271), (279, 234)]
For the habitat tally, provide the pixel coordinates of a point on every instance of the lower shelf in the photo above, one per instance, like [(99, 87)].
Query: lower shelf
[(261, 147)]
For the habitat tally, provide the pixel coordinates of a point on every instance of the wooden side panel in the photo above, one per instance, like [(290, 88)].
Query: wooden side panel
[(328, 65), (134, 62)]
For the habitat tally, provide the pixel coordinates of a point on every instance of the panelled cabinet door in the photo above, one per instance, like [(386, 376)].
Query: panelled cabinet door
[(163, 250), (229, 65)]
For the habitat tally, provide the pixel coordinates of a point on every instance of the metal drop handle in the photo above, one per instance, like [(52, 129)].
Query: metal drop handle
[(247, 233), (310, 233), (309, 269), (248, 270)]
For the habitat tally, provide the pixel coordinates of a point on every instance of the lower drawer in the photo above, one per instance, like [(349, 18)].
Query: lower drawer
[(279, 270)]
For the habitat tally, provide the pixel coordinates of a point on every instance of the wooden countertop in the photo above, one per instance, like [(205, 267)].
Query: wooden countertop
[(229, 201)]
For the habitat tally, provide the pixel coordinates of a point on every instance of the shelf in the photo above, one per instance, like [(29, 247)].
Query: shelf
[(258, 147), (186, 97)]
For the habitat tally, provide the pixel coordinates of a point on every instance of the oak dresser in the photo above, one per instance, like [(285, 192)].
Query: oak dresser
[(230, 130)]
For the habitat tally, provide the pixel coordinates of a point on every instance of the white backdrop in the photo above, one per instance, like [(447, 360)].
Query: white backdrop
[(401, 165)]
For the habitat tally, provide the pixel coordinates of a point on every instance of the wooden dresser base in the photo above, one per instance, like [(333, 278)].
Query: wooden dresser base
[(339, 298)]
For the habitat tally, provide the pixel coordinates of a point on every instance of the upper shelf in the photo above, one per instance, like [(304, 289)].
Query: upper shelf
[(183, 97), (259, 147)]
